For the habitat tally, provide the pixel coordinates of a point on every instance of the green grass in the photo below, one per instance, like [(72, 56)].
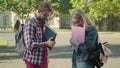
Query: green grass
[(101, 34), (3, 42), (111, 34), (62, 30)]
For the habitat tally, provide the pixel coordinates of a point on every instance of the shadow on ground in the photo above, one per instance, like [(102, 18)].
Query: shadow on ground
[(115, 50), (66, 52), (8, 53), (8, 49), (61, 52)]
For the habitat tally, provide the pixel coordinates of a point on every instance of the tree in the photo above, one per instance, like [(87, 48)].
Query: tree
[(21, 7), (80, 4), (4, 5), (98, 9), (104, 8), (61, 6)]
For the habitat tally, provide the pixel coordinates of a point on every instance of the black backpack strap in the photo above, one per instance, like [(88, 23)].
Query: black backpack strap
[(100, 46), (101, 49)]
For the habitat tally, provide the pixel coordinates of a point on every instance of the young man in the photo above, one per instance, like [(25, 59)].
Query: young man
[(36, 54)]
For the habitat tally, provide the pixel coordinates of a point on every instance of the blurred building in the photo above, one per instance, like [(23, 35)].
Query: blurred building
[(8, 19)]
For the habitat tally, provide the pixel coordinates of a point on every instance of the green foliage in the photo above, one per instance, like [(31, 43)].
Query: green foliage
[(80, 4), (98, 9), (61, 6), (36, 4), (4, 5), (21, 7), (103, 8)]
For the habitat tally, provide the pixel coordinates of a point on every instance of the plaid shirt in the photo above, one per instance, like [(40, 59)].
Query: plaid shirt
[(32, 37)]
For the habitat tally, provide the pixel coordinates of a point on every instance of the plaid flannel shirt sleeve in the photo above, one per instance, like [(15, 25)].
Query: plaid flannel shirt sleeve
[(29, 36)]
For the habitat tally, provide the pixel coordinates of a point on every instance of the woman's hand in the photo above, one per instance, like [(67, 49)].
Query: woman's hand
[(73, 42), (70, 41)]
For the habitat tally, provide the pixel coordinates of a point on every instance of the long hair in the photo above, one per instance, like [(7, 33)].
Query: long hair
[(86, 20), (16, 26)]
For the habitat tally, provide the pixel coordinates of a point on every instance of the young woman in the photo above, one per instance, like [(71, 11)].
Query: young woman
[(16, 26), (16, 30), (81, 53)]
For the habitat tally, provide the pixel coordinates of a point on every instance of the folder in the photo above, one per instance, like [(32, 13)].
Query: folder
[(49, 32), (78, 34)]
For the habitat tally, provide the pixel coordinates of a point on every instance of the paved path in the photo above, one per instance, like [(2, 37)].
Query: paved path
[(60, 56)]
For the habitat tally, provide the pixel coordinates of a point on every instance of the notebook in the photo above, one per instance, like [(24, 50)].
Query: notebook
[(78, 34), (49, 32)]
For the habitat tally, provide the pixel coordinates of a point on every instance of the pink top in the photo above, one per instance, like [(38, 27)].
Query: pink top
[(44, 64)]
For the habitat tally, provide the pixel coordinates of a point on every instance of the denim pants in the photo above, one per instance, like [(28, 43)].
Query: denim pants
[(80, 64), (84, 65)]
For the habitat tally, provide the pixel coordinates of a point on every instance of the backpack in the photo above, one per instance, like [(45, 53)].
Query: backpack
[(19, 37), (99, 54)]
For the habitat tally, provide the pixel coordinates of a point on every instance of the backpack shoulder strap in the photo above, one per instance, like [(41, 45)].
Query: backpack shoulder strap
[(101, 48), (33, 20)]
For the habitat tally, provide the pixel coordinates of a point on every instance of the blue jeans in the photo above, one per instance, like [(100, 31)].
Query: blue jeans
[(84, 65), (80, 64)]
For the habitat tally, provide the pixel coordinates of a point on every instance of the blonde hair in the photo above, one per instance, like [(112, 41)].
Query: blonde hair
[(86, 20)]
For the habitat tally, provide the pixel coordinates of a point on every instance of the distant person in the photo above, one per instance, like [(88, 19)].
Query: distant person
[(82, 50), (16, 26), (36, 54), (16, 30)]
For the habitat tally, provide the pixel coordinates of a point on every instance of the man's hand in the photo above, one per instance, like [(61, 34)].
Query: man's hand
[(51, 43)]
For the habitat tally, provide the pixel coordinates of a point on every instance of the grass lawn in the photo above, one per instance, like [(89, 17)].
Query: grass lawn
[(62, 30), (101, 34), (111, 34), (3, 42)]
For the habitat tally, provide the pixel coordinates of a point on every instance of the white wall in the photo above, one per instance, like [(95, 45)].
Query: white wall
[(9, 19), (5, 19)]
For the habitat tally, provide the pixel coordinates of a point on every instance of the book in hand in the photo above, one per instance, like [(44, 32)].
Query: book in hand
[(78, 35), (49, 32)]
